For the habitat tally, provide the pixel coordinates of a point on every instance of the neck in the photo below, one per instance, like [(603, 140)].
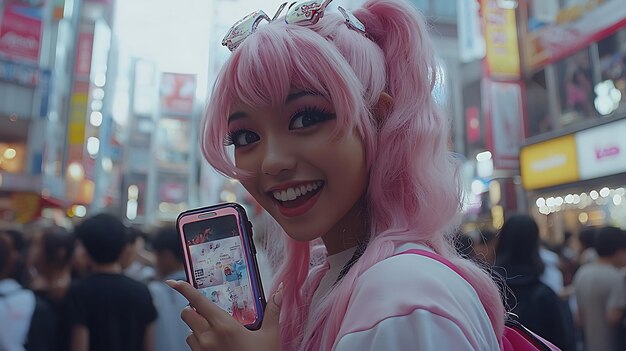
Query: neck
[(348, 232), (114, 267), (609, 261), (56, 277)]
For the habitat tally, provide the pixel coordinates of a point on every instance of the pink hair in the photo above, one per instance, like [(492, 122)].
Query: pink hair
[(413, 193)]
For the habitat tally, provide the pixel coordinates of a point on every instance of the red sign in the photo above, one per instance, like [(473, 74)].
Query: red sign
[(177, 93), (84, 49), (20, 33)]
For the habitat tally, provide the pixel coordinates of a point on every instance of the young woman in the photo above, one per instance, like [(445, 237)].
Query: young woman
[(335, 133), (537, 305)]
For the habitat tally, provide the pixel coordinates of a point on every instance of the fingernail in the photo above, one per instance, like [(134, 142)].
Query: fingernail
[(171, 283)]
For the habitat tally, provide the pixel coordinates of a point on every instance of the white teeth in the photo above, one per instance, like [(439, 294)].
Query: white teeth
[(292, 193)]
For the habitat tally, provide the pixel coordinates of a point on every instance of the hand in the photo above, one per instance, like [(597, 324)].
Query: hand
[(212, 329)]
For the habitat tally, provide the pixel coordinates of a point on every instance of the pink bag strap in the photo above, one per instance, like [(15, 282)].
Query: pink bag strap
[(513, 338)]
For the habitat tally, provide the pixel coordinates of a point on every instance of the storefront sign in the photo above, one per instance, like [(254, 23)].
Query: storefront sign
[(602, 150), (578, 26), (505, 122), (549, 163), (503, 59), (20, 32)]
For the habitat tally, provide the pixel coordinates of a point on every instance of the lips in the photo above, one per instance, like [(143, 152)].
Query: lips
[(297, 199)]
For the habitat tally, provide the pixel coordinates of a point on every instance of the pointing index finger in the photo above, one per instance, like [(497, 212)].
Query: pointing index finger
[(199, 302)]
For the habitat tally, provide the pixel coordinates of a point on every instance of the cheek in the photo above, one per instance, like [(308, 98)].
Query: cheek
[(252, 188), (351, 157)]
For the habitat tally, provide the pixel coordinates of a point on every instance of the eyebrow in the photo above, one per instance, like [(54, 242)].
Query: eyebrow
[(235, 116), (297, 95), (290, 98)]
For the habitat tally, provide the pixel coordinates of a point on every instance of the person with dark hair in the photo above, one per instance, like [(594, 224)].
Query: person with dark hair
[(20, 245), (601, 291), (588, 253), (107, 310), (50, 261), (518, 261), (25, 320), (170, 330)]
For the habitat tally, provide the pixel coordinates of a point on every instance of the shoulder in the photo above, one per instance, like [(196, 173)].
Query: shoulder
[(414, 289), (413, 273), (133, 285), (402, 283)]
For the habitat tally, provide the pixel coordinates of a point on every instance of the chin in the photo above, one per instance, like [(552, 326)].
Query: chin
[(302, 237)]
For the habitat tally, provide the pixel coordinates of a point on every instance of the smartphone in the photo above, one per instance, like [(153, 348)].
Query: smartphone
[(220, 260)]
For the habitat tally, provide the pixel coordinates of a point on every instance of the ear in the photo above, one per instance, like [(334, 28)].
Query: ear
[(383, 107)]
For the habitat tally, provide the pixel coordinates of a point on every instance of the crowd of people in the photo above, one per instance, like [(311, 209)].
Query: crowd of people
[(572, 294), (98, 286)]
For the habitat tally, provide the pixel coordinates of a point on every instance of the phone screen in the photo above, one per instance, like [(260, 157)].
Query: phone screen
[(219, 267)]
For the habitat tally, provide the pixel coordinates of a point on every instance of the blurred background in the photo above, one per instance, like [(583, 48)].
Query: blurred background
[(100, 103)]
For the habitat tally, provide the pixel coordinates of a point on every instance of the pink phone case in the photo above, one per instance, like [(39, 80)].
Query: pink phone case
[(220, 260)]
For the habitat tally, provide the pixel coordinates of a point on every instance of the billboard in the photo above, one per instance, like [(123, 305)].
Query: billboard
[(500, 29), (602, 150), (505, 122), (568, 29), (20, 32)]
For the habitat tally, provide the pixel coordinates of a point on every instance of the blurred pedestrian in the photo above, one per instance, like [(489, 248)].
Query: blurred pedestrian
[(137, 262), (601, 292), (107, 310), (25, 320), (519, 262), (50, 261), (170, 330), (20, 246), (587, 239), (552, 275)]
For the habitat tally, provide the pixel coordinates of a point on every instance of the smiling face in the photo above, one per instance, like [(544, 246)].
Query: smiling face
[(308, 179)]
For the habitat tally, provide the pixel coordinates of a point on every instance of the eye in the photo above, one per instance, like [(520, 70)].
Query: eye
[(240, 138), (309, 116)]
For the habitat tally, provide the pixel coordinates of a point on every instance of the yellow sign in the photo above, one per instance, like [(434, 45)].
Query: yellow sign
[(503, 59), (549, 163), (78, 119)]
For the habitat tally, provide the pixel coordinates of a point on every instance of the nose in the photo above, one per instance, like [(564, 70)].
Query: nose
[(278, 158)]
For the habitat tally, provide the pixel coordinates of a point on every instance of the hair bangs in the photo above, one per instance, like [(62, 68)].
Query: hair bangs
[(270, 64)]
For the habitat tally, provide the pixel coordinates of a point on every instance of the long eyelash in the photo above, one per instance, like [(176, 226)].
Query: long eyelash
[(229, 138)]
